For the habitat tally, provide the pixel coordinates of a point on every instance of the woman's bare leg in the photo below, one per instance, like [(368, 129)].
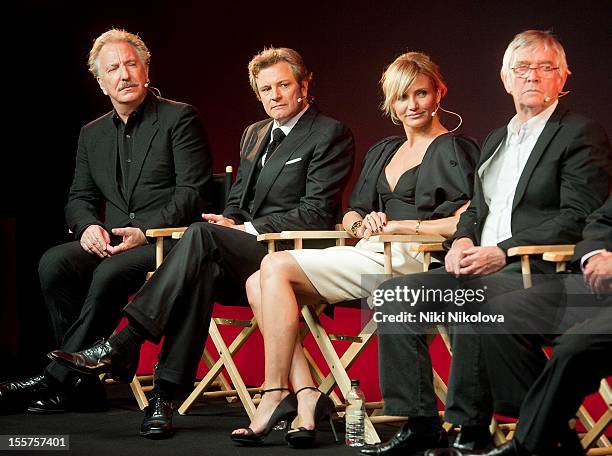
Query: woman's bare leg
[(300, 378), (275, 306)]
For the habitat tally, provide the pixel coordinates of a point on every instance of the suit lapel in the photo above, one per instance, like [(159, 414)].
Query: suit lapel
[(490, 147), (549, 131), (290, 145), (254, 153), (146, 131)]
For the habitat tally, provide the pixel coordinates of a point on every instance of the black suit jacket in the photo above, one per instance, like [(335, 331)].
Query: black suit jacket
[(564, 180), (169, 178), (300, 187), (597, 233)]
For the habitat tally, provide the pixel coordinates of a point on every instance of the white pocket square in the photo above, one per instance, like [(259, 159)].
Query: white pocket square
[(293, 161)]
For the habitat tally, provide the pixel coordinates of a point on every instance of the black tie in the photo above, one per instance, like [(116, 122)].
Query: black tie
[(277, 138)]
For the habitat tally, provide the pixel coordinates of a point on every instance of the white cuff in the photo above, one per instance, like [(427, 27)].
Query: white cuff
[(249, 228), (586, 256)]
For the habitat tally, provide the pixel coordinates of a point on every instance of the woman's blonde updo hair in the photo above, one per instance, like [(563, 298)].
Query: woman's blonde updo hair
[(400, 75)]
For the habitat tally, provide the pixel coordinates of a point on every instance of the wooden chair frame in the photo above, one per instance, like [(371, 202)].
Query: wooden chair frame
[(338, 365), (223, 180), (235, 386), (561, 254)]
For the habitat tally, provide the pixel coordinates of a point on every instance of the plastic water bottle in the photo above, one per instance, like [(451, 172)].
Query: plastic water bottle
[(355, 415)]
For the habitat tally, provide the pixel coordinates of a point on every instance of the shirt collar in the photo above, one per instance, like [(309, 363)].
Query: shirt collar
[(287, 126), (136, 115), (533, 124)]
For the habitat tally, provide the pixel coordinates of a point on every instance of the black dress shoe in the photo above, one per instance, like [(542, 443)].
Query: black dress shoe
[(85, 395), (15, 396), (99, 359), (473, 438), (157, 423), (406, 442), (507, 449)]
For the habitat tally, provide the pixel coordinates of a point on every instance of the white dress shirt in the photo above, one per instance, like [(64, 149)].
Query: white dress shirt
[(500, 174)]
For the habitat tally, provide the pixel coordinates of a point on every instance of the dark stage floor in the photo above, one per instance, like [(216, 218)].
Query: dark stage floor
[(205, 431)]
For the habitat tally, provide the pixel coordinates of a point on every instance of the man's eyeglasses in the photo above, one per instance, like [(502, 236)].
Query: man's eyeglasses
[(544, 70)]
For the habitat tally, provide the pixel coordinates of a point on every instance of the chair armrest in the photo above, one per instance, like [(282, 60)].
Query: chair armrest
[(427, 247), (558, 256), (164, 232), (298, 236), (269, 237), (325, 234), (160, 234), (420, 238), (292, 235), (387, 239), (525, 250), (537, 249)]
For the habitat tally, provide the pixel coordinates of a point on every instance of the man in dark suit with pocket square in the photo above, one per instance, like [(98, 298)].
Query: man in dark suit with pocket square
[(292, 171), (145, 164)]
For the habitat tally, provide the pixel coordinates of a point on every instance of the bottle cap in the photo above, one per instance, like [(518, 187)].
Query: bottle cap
[(354, 382)]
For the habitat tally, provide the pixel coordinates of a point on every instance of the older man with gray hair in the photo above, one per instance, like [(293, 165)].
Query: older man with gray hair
[(144, 164)]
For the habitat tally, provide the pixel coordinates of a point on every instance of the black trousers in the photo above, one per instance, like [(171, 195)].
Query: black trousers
[(85, 293), (210, 263), (405, 365), (550, 391)]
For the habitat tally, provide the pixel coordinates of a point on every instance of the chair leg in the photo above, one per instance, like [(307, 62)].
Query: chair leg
[(348, 357), (319, 377), (226, 361), (223, 382), (335, 364), (232, 370), (138, 392), (596, 432), (498, 436), (595, 429)]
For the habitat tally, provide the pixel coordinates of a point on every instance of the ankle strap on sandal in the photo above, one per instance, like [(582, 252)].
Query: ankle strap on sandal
[(269, 390), (314, 388)]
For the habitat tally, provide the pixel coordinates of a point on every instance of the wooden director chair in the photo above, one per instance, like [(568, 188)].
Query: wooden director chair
[(221, 184), (236, 386), (230, 389), (561, 254), (338, 365)]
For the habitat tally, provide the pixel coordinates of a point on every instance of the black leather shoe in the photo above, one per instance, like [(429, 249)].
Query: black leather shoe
[(85, 395), (473, 438), (157, 423), (99, 359), (15, 396), (406, 442), (507, 449)]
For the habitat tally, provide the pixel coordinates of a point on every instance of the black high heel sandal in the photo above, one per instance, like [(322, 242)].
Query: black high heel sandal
[(286, 410), (305, 438)]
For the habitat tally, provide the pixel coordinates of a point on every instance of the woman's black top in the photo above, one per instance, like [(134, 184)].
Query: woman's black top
[(399, 204), (441, 184)]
